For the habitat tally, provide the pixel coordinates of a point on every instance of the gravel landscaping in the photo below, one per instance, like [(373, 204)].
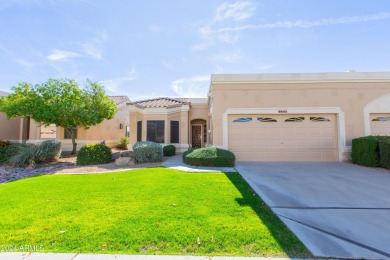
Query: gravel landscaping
[(65, 165)]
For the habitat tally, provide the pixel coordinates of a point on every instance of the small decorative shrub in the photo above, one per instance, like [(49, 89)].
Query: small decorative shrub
[(49, 150), (123, 143), (22, 155), (210, 156), (94, 154), (145, 152), (25, 156), (7, 152), (4, 143), (169, 150), (384, 151), (365, 150)]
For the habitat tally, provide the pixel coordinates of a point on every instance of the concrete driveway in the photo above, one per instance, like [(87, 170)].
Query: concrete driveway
[(336, 209)]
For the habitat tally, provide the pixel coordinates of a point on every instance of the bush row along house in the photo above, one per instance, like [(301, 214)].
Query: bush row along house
[(260, 117)]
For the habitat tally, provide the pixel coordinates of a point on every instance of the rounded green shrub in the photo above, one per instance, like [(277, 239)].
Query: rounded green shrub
[(210, 156), (25, 155), (146, 151), (365, 150), (123, 143), (169, 150), (6, 152), (49, 150), (94, 154)]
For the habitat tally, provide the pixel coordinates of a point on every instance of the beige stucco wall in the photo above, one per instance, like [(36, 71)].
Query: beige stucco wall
[(10, 129), (175, 114), (350, 97), (108, 130)]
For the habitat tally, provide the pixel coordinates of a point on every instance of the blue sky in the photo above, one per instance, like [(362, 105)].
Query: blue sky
[(146, 49)]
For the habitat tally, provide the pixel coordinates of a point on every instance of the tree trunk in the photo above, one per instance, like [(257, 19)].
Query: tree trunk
[(70, 131)]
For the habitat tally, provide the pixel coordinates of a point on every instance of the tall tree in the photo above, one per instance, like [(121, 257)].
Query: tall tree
[(61, 102)]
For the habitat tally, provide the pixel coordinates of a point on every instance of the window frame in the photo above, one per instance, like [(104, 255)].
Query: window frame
[(174, 135), (67, 135), (158, 134)]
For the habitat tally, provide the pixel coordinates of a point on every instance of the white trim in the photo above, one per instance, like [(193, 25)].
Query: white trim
[(300, 77), (290, 110), (376, 106)]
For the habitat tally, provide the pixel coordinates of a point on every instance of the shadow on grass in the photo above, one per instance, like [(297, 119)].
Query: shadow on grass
[(289, 243)]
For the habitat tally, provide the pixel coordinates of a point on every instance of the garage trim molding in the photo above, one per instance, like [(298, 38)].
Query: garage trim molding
[(289, 110)]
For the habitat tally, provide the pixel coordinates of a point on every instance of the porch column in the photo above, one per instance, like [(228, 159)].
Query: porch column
[(184, 126)]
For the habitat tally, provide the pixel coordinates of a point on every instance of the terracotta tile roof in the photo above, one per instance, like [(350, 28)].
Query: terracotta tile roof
[(161, 102), (119, 99)]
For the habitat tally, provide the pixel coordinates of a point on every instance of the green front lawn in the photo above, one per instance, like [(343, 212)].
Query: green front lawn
[(147, 211)]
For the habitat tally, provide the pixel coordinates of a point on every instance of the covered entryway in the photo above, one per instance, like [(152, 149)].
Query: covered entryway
[(287, 137), (198, 133), (380, 124)]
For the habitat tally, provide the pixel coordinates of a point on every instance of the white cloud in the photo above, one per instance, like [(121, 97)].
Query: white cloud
[(225, 12), (94, 47), (196, 86), (243, 10), (26, 63), (116, 85), (59, 55), (308, 24), (237, 11), (92, 50)]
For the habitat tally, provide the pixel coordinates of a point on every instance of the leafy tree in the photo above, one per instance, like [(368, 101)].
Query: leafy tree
[(61, 102)]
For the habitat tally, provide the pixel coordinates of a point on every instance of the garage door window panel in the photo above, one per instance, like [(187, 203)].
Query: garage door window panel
[(266, 119), (242, 120), (319, 119), (295, 119), (381, 119)]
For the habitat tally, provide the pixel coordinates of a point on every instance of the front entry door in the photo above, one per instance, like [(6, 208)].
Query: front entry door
[(196, 136)]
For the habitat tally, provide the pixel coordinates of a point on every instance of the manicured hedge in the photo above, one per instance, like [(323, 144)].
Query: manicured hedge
[(365, 150), (145, 152), (94, 154), (169, 150), (209, 156), (384, 151)]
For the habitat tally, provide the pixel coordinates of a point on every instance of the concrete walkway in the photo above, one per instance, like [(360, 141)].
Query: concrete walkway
[(336, 209), (50, 256), (176, 163)]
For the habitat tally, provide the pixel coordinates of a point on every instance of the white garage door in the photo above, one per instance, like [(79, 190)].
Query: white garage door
[(380, 124), (283, 137)]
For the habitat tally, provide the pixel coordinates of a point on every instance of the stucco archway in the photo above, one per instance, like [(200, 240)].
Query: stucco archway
[(198, 133)]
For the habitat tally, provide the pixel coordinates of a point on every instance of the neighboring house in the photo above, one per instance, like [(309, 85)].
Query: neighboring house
[(183, 122), (14, 129), (109, 131)]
